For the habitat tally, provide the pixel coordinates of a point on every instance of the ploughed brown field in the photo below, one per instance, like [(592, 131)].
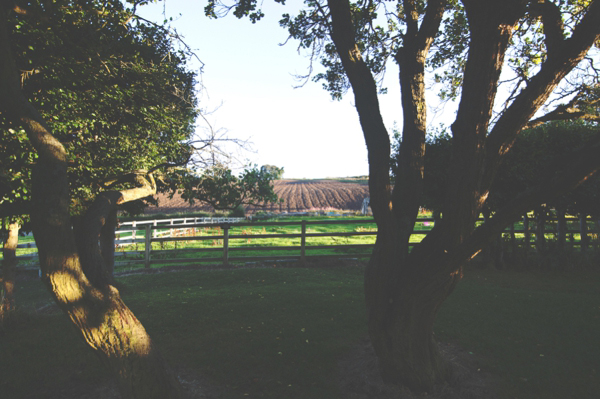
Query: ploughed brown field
[(297, 195)]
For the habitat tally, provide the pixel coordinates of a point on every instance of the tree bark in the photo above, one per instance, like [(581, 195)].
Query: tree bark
[(97, 311), (107, 243), (9, 264)]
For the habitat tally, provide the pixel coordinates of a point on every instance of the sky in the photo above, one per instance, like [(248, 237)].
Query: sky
[(248, 82)]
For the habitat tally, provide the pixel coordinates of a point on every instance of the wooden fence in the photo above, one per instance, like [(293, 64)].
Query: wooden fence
[(158, 234), (538, 230), (531, 232), (176, 226)]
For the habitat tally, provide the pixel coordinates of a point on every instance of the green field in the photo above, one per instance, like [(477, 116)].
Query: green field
[(250, 246), (279, 332)]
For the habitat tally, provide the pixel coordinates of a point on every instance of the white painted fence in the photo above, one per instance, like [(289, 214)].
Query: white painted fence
[(166, 228)]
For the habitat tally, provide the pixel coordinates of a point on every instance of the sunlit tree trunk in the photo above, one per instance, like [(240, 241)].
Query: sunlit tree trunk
[(106, 324)]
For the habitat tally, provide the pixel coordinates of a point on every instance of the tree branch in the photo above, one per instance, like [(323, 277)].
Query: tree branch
[(367, 105), (568, 111), (539, 88), (431, 23), (568, 174), (563, 113), (411, 60), (553, 24)]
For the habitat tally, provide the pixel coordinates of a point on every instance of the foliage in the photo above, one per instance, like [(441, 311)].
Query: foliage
[(16, 160), (219, 187), (273, 170), (114, 91), (540, 149), (238, 212), (534, 151), (435, 182)]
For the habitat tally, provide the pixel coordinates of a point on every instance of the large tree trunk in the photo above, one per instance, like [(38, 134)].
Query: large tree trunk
[(95, 308), (9, 264), (404, 290), (401, 323)]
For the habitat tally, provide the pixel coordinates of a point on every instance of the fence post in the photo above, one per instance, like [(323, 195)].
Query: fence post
[(513, 241), (583, 232), (148, 245), (561, 227), (540, 229), (226, 244), (527, 237), (303, 243)]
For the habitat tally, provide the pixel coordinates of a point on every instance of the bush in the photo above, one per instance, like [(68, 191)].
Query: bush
[(238, 212)]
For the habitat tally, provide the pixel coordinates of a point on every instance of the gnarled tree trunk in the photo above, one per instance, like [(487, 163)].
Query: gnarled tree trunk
[(94, 306)]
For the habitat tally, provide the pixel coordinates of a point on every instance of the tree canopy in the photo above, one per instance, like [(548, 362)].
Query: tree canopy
[(116, 94), (534, 151), (276, 171), (219, 187)]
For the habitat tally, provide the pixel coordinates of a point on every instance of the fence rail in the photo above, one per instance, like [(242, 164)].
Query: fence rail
[(186, 230), (183, 221), (224, 239)]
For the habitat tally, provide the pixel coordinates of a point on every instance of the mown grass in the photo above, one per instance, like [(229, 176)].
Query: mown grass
[(537, 331), (279, 332)]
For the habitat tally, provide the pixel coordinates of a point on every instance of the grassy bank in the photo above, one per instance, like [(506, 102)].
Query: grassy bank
[(279, 332)]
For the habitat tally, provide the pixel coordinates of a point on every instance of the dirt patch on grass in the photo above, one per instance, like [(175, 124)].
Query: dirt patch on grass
[(359, 377)]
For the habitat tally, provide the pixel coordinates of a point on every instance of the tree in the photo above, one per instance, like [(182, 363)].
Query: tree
[(95, 308), (470, 43), (121, 107), (535, 150), (273, 170), (218, 187), (9, 260), (105, 88), (14, 204)]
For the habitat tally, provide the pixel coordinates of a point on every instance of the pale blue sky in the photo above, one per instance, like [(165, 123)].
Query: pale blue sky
[(250, 76)]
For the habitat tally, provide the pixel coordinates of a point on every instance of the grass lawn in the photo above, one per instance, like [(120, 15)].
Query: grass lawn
[(279, 332)]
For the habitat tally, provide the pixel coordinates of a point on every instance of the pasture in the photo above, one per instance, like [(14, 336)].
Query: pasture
[(281, 332)]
